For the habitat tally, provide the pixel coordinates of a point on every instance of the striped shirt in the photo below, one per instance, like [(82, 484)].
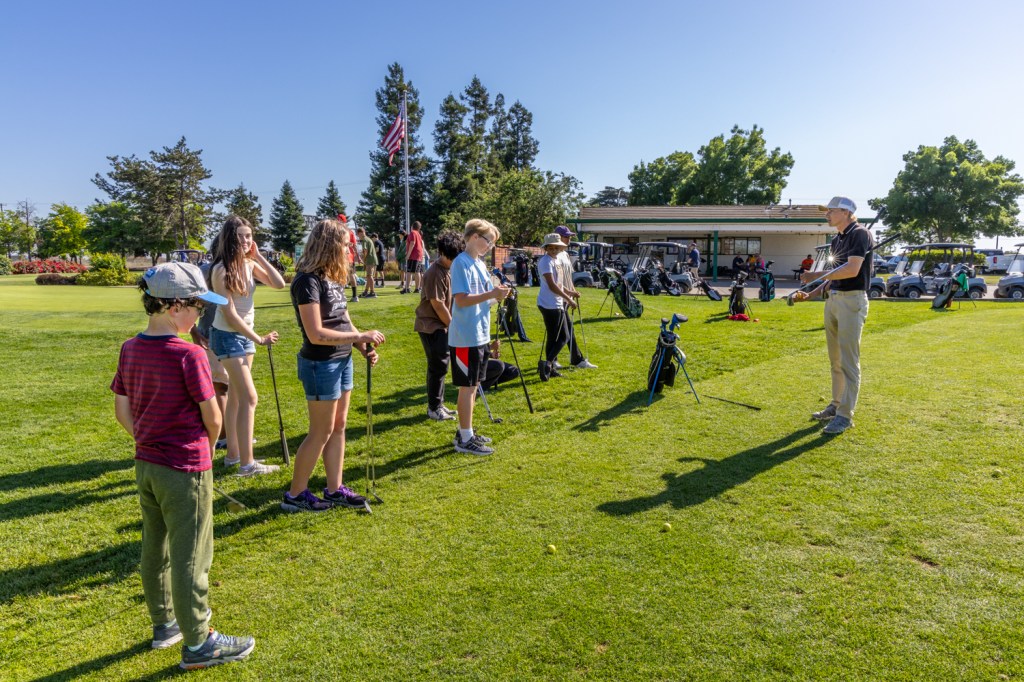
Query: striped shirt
[(165, 378)]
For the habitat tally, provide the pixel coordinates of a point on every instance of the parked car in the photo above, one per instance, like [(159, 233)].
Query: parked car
[(996, 260), (1012, 285)]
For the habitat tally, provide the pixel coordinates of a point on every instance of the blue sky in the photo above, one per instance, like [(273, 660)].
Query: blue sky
[(275, 91)]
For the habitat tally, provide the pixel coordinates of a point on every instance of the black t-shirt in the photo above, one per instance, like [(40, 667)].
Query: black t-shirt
[(311, 288), (855, 240), (379, 246)]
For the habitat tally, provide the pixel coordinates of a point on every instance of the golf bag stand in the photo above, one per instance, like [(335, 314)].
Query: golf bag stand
[(668, 358)]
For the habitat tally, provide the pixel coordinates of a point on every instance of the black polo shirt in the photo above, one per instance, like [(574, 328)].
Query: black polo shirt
[(855, 240)]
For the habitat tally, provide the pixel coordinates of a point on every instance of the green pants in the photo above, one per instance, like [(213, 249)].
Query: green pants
[(177, 546), (845, 314)]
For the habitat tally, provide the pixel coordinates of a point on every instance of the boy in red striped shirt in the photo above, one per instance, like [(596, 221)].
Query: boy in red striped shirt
[(165, 399)]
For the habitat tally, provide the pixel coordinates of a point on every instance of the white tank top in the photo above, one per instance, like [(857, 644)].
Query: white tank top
[(243, 305)]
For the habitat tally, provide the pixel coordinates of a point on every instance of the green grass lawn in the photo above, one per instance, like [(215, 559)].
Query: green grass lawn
[(895, 551)]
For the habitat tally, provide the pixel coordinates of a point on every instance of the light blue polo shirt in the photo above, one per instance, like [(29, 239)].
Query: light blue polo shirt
[(471, 325)]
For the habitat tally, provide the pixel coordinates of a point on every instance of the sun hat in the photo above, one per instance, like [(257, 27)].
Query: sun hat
[(553, 240), (842, 203), (179, 280)]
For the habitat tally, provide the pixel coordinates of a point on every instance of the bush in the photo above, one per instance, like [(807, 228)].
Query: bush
[(108, 270), (287, 262), (55, 278), (35, 267), (933, 258), (5, 264), (391, 270)]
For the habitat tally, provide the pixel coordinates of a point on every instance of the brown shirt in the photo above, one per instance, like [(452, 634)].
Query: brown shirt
[(436, 286)]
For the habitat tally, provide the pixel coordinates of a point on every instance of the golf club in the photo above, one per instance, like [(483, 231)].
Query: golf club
[(583, 333), (277, 401), (501, 325), (233, 504), (371, 465), (483, 396)]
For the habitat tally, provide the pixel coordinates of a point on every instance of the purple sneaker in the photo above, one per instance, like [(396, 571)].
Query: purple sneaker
[(345, 497), (304, 502)]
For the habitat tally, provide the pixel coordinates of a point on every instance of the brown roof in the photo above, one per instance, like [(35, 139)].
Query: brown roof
[(707, 213)]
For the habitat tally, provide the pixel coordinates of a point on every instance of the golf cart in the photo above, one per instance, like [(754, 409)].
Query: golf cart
[(823, 261), (660, 265), (590, 263), (920, 282), (1012, 284), (187, 256)]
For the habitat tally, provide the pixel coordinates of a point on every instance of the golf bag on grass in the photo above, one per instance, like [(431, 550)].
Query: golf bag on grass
[(668, 359), (767, 291), (666, 282), (737, 301), (629, 304)]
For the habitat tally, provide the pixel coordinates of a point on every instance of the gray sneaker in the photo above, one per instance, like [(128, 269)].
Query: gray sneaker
[(440, 414), (256, 469), (165, 636), (825, 415), (217, 649), (477, 436), (474, 446), (837, 425)]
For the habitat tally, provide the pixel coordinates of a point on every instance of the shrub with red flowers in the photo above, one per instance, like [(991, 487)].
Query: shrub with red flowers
[(37, 267)]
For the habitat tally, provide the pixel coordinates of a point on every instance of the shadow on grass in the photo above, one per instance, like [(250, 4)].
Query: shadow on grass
[(64, 473), (112, 564), (100, 663), (45, 503), (719, 475), (632, 402)]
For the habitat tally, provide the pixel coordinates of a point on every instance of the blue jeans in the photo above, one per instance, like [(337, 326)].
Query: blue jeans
[(230, 344)]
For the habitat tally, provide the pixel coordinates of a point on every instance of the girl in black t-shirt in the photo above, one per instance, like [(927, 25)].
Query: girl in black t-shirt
[(325, 365)]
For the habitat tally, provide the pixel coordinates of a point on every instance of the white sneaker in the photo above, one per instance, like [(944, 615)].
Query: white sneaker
[(585, 364), (557, 365), (257, 468), (440, 414), (228, 462)]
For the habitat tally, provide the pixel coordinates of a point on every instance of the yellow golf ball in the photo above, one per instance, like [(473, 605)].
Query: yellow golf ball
[(666, 528), (552, 549)]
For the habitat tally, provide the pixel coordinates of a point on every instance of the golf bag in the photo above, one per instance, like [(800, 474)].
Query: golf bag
[(510, 322), (629, 304), (649, 283), (668, 359), (708, 291), (767, 291), (951, 289), (737, 302), (668, 284)]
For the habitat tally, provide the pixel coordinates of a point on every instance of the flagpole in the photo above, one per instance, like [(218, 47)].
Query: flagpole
[(405, 155)]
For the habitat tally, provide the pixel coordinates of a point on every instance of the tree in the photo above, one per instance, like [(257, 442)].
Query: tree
[(739, 171), (526, 204), (478, 105), (60, 233), (610, 196), (382, 205), (499, 136), (16, 235), (244, 204), (114, 227), (953, 193), (456, 185), (287, 226), (522, 147), (660, 182), (168, 193), (331, 204)]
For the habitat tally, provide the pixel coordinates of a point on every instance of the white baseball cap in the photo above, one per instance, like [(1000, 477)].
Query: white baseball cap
[(843, 203)]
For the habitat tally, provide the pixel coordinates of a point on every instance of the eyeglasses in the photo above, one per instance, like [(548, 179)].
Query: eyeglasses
[(490, 242), (200, 307)]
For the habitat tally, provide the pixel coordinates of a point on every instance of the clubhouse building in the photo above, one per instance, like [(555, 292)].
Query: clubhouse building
[(782, 233)]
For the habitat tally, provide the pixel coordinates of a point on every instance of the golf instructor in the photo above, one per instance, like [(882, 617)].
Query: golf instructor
[(846, 310)]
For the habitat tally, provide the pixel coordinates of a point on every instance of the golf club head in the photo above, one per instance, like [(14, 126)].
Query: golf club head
[(789, 299), (376, 497), (236, 506), (366, 507)]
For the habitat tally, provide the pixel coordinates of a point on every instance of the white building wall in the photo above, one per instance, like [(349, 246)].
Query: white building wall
[(787, 250)]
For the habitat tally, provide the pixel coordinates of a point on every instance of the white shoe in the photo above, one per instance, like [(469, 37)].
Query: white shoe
[(228, 462), (557, 365), (257, 468), (585, 364), (440, 414)]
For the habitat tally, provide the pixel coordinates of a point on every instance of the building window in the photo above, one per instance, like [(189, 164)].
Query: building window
[(741, 246)]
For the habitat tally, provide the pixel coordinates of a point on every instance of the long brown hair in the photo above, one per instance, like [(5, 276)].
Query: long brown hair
[(326, 252), (229, 256)]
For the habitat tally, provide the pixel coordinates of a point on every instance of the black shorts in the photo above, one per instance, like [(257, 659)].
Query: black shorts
[(414, 266), (469, 365)]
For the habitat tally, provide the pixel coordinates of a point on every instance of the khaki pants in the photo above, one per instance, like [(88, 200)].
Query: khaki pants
[(845, 314), (177, 546)]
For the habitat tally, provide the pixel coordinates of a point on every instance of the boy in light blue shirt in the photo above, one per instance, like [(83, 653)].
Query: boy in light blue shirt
[(470, 330)]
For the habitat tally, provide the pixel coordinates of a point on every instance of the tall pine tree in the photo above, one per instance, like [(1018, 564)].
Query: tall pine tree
[(287, 226), (522, 146), (331, 204), (244, 204), (382, 206)]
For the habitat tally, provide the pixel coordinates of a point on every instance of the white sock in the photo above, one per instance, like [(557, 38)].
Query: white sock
[(465, 435)]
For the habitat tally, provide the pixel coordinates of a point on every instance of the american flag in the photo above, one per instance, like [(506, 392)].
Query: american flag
[(393, 138)]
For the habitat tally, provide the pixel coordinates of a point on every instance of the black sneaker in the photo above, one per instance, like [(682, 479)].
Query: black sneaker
[(345, 497), (304, 502), (215, 650), (166, 636)]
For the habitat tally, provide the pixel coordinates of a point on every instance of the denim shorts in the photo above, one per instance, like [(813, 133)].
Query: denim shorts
[(230, 344), (325, 379)]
